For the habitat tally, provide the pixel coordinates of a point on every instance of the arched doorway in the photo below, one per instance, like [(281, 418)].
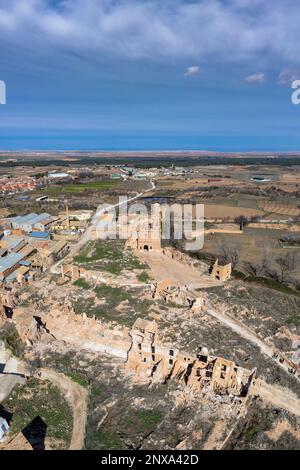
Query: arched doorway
[(146, 247)]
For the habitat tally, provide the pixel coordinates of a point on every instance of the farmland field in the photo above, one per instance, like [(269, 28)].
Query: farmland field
[(81, 187)]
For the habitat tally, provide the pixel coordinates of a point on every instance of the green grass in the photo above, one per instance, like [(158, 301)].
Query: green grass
[(99, 250), (43, 399), (149, 418), (108, 440), (121, 426), (109, 256), (82, 283), (78, 378), (293, 320), (259, 423), (11, 338), (271, 284), (108, 311), (143, 277), (114, 295), (81, 187), (142, 421)]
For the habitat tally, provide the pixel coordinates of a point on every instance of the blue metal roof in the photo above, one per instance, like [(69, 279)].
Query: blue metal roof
[(39, 234), (25, 263), (30, 219), (9, 261), (12, 241)]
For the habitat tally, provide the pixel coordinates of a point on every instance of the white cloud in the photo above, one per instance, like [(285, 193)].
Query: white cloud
[(192, 70), (234, 30), (256, 78), (287, 77)]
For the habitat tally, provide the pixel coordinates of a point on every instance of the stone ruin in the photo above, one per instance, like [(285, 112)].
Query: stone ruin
[(144, 234), (151, 362), (171, 292), (221, 273), (147, 360), (8, 302), (70, 271)]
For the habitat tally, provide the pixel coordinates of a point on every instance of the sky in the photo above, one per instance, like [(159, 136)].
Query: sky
[(149, 75)]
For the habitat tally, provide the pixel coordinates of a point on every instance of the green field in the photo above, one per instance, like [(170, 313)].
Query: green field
[(81, 187), (44, 400), (109, 256)]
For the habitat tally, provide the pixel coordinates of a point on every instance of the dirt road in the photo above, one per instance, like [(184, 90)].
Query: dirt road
[(164, 267), (77, 397), (249, 335), (277, 396)]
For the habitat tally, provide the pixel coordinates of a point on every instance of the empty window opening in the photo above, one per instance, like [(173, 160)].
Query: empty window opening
[(202, 358)]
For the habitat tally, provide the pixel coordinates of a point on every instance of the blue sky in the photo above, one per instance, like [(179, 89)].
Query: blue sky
[(149, 74)]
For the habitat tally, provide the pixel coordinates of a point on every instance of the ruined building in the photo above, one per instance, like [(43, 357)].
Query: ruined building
[(70, 271), (144, 233), (150, 362), (221, 273), (8, 302)]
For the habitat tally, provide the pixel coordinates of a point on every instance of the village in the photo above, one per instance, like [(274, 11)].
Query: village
[(140, 307)]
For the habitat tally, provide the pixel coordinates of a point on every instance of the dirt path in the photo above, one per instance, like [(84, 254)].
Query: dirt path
[(77, 397), (214, 440), (164, 267), (278, 396), (249, 335)]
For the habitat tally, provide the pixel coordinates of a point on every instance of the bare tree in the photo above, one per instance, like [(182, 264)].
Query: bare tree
[(287, 265), (262, 267), (251, 268), (228, 252)]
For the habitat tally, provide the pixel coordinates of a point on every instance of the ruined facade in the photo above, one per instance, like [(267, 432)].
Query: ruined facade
[(149, 361), (144, 234), (221, 273), (8, 302), (70, 271), (171, 292)]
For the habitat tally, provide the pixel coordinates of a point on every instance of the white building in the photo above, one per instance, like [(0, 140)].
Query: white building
[(4, 428)]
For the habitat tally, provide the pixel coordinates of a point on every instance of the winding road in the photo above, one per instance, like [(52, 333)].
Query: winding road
[(77, 398)]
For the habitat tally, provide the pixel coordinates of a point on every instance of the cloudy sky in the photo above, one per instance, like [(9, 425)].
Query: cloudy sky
[(149, 74)]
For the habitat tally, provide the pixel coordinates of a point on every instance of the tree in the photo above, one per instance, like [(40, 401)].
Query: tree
[(228, 252), (242, 221), (287, 265)]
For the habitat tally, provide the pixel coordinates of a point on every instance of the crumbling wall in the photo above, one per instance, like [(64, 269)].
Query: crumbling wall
[(149, 362), (8, 302), (64, 324), (70, 271), (221, 273), (146, 359)]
